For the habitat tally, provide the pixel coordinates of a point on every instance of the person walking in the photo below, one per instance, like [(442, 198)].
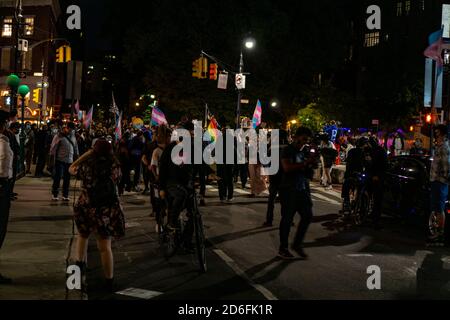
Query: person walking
[(12, 135), (329, 154), (41, 151), (225, 173), (98, 209), (6, 173), (439, 177), (275, 180), (64, 149), (295, 194), (136, 149), (30, 139), (399, 144)]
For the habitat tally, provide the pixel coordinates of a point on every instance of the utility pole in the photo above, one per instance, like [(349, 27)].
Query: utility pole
[(17, 27), (238, 108)]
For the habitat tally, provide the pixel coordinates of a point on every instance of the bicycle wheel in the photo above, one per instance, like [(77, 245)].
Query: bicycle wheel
[(169, 244), (200, 241), (361, 207)]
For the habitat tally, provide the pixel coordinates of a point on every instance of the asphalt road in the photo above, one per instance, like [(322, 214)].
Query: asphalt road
[(242, 262)]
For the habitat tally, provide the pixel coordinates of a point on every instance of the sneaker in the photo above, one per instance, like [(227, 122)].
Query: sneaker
[(285, 254), (66, 199), (230, 200), (329, 187), (55, 198), (300, 252)]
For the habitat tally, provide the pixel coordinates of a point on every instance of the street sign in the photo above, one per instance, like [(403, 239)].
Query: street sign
[(223, 81), (240, 81), (375, 122), (39, 84), (23, 45)]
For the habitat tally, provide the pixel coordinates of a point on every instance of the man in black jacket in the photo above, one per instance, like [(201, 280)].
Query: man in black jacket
[(176, 186)]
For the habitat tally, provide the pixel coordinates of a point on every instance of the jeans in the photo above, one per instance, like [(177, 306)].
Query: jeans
[(293, 201), (439, 195), (61, 170), (241, 170), (226, 188), (201, 171), (273, 191), (177, 201), (5, 203)]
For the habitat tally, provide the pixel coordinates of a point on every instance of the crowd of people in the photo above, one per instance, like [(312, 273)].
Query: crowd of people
[(110, 166)]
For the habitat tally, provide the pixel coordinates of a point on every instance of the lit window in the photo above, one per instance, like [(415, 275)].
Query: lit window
[(407, 7), (7, 27), (399, 8), (29, 26), (372, 39), (423, 5)]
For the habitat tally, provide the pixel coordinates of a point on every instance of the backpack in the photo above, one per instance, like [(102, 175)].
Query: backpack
[(102, 192)]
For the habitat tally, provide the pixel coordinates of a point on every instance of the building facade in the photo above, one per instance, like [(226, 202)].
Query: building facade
[(37, 67)]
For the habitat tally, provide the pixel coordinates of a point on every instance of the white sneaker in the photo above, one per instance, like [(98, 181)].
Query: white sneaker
[(66, 199), (55, 199), (230, 200)]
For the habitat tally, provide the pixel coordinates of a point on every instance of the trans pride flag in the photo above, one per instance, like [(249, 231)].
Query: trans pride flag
[(158, 117), (257, 115)]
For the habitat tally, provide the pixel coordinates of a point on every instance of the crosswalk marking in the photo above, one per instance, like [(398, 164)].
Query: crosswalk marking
[(139, 293), (233, 265), (322, 197)]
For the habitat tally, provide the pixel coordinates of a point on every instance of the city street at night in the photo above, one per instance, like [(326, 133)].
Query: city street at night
[(224, 159), (242, 261)]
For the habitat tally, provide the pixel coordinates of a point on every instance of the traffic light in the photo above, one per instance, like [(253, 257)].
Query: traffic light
[(204, 66), (428, 118), (63, 54), (37, 95), (197, 69), (68, 55), (60, 55), (213, 68)]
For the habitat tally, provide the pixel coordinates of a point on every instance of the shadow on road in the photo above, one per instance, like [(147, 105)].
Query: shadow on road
[(237, 235)]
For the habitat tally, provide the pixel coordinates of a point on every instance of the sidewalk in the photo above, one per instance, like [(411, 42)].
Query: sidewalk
[(36, 246)]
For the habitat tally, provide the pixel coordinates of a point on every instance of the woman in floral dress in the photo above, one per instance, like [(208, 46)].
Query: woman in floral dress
[(105, 221)]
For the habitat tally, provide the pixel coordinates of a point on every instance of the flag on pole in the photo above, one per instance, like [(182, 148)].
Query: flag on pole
[(88, 119), (114, 109), (257, 115), (158, 117), (434, 50), (213, 129), (118, 130), (208, 115)]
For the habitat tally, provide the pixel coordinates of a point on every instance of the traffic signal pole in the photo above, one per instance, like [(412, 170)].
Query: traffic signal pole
[(238, 107)]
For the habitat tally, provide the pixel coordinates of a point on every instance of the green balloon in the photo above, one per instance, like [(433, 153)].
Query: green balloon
[(23, 90), (13, 81)]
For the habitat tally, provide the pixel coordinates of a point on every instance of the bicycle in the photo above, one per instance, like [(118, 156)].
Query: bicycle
[(172, 240), (360, 198)]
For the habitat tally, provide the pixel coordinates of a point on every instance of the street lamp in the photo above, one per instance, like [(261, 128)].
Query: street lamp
[(274, 104), (23, 91), (249, 43)]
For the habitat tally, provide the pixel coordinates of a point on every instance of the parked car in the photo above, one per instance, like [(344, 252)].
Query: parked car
[(407, 186)]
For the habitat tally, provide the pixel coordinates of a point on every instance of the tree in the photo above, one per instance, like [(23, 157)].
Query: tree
[(312, 117)]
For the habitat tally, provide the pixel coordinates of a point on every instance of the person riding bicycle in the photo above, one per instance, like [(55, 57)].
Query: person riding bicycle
[(176, 185), (354, 163), (377, 170)]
